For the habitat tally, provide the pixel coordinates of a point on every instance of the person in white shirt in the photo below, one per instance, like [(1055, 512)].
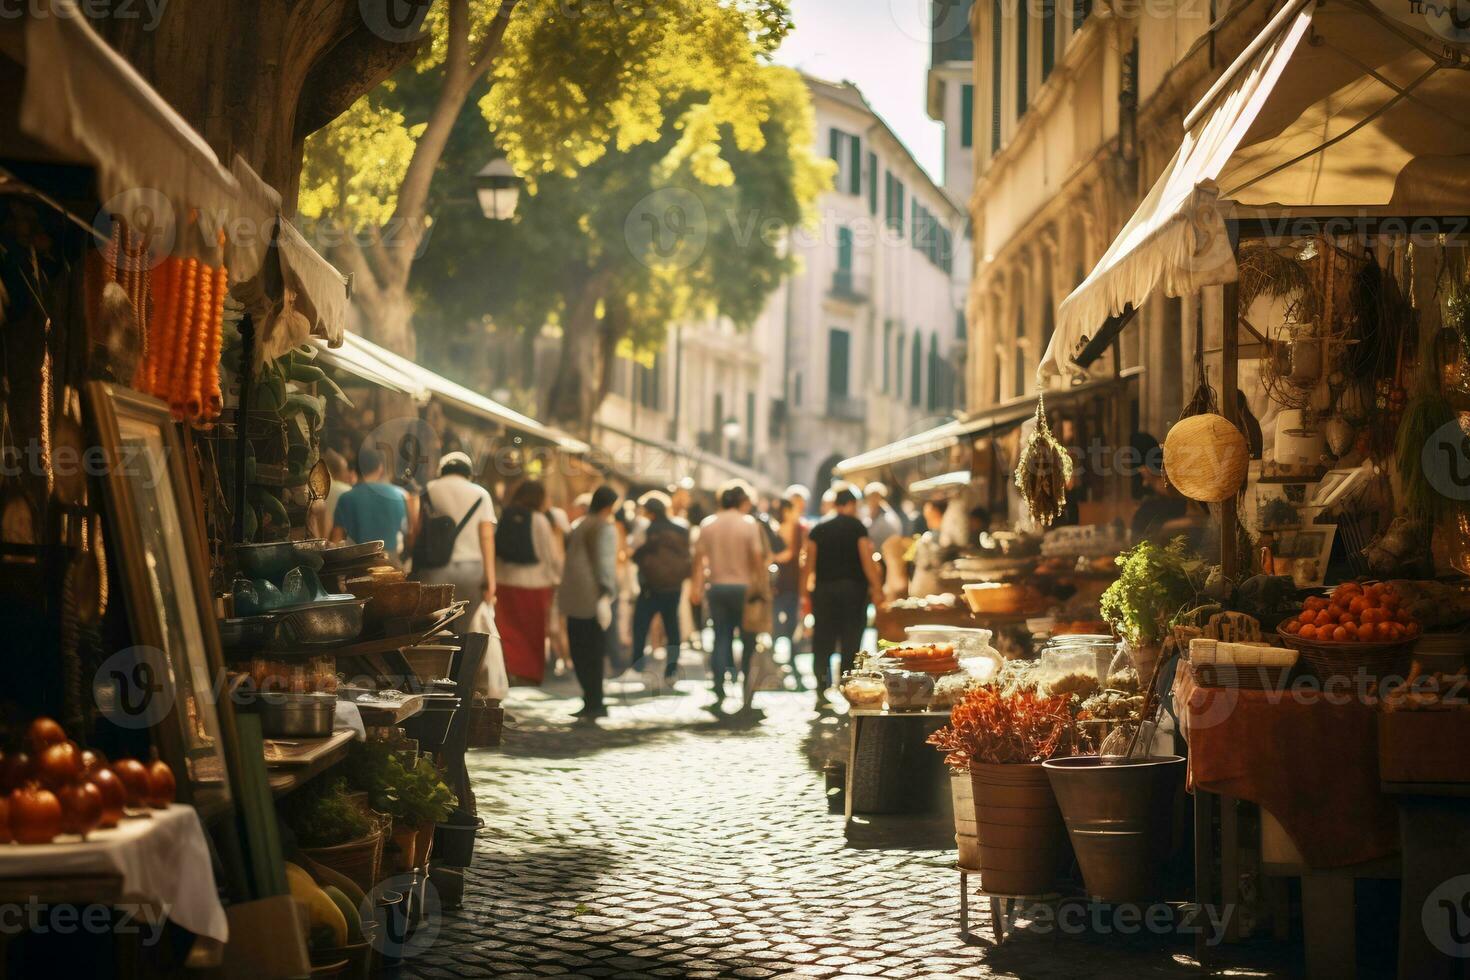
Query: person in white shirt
[(471, 566)]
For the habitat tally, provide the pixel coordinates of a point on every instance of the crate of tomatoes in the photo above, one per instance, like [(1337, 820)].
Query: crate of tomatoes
[(1360, 629)]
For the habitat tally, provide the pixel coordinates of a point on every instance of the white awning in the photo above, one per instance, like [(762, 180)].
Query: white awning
[(85, 103), (944, 482), (381, 366), (938, 440), (1333, 107)]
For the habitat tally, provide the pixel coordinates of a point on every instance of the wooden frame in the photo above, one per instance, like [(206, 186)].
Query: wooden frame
[(166, 586)]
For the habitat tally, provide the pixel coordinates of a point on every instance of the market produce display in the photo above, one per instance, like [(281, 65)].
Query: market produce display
[(1354, 613), (54, 787), (181, 364), (935, 659)]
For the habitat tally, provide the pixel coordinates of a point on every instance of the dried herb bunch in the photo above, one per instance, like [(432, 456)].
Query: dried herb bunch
[(991, 727), (1043, 470)]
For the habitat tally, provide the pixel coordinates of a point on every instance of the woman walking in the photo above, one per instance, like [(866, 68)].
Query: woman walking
[(528, 568), (588, 587)]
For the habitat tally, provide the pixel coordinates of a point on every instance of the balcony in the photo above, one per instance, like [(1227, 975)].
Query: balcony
[(849, 287), (845, 408)]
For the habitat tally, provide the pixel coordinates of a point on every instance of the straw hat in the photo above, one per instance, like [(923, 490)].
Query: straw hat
[(1205, 458)]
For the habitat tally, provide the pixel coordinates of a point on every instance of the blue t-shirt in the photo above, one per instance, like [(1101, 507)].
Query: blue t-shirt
[(373, 512)]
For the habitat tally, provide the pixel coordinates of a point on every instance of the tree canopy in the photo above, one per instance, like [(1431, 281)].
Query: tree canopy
[(665, 159)]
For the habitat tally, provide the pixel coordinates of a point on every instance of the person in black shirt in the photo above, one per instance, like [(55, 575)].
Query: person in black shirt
[(839, 557)]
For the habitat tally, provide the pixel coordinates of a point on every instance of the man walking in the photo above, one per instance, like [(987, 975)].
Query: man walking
[(787, 599), (727, 558), (664, 565), (883, 521), (840, 555), (374, 509), (588, 587)]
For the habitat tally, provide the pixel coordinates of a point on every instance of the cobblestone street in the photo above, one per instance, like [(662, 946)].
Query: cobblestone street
[(666, 844)]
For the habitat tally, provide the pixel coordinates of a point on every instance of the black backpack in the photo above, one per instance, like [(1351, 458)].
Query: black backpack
[(435, 545), (513, 541)]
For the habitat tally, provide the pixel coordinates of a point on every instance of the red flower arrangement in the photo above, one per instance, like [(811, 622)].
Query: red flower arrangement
[(1022, 727)]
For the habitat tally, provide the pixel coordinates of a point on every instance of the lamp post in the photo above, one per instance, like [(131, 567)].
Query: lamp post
[(498, 190), (731, 431)]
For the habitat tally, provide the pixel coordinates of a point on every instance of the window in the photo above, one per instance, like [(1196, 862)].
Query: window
[(873, 184), (1048, 37), (967, 116), (750, 417), (997, 22), (796, 390), (1080, 10), (898, 375), (839, 359), (893, 210), (716, 428), (847, 150), (961, 329), (1023, 49), (916, 371), (844, 250), (934, 370), (887, 354)]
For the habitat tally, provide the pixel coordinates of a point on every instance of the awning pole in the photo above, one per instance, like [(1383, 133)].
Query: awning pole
[(242, 420), (1229, 405)]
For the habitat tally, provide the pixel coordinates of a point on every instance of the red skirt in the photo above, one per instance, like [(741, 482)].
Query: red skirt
[(521, 616)]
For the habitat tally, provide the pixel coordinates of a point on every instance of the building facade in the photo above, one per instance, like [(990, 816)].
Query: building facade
[(1077, 109), (868, 332)]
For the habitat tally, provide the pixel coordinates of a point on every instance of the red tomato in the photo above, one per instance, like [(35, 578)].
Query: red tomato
[(1340, 634), (35, 815), (1291, 626), (1308, 632)]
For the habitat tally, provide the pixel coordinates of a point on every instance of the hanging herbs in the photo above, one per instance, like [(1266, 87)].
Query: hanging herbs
[(1425, 414), (1043, 470)]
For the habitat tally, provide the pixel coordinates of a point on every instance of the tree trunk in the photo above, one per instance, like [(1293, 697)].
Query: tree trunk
[(257, 78), (578, 385)]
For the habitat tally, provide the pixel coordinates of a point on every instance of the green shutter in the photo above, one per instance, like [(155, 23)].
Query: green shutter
[(916, 372), (872, 183), (855, 179), (834, 144), (1048, 37), (1023, 48), (997, 52), (844, 250), (967, 116), (839, 343)]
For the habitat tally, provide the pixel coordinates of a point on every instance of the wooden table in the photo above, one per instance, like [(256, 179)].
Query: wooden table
[(916, 765), (389, 714), (308, 758)]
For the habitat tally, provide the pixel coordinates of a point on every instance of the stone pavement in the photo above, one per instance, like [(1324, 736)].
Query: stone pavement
[(662, 843)]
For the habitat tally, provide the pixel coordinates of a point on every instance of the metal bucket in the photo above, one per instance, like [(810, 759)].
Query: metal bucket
[(966, 831), (1023, 841), (1120, 815)]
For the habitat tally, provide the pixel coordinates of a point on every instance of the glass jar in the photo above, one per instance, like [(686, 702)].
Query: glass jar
[(863, 688)]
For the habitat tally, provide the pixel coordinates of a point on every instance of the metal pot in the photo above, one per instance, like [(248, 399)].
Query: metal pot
[(297, 715)]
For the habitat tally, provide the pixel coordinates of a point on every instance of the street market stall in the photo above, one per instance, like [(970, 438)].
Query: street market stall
[(228, 692)]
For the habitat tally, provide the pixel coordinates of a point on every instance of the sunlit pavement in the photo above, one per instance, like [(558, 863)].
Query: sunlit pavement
[(663, 842)]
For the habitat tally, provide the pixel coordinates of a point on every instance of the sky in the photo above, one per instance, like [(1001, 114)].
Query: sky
[(883, 47)]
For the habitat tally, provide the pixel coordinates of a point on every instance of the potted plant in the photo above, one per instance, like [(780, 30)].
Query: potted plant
[(1155, 583), (1001, 737), (334, 832), (424, 799)]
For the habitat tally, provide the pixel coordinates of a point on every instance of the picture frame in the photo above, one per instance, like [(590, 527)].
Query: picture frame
[(177, 674), (1309, 547), (1335, 486)]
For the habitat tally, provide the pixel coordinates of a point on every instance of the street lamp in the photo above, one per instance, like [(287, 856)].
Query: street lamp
[(498, 189), (731, 429)]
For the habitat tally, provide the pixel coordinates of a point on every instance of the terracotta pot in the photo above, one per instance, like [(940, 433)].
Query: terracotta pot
[(1120, 818), (966, 839), (405, 841), (1023, 842), (424, 843)]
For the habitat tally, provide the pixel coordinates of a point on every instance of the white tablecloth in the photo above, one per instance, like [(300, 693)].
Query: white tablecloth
[(162, 860)]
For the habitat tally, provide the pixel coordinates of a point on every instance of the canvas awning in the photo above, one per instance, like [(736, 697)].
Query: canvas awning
[(85, 104), (381, 366), (1334, 109), (940, 439), (943, 483), (655, 460)]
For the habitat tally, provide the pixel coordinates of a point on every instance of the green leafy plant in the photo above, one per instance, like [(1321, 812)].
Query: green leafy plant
[(1155, 584), (322, 815), (409, 794)]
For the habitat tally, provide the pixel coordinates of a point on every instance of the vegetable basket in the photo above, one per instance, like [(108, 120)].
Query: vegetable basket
[(1332, 660), (359, 860)]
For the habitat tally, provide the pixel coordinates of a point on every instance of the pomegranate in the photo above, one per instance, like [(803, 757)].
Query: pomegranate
[(161, 784), (35, 815), (81, 808), (43, 732), (134, 776), (114, 796), (59, 765)]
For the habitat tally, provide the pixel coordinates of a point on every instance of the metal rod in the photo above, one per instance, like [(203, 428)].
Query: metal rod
[(242, 416)]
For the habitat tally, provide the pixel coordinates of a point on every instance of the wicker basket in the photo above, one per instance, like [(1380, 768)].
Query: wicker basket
[(1250, 677), (359, 860), (1332, 661), (487, 723)]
